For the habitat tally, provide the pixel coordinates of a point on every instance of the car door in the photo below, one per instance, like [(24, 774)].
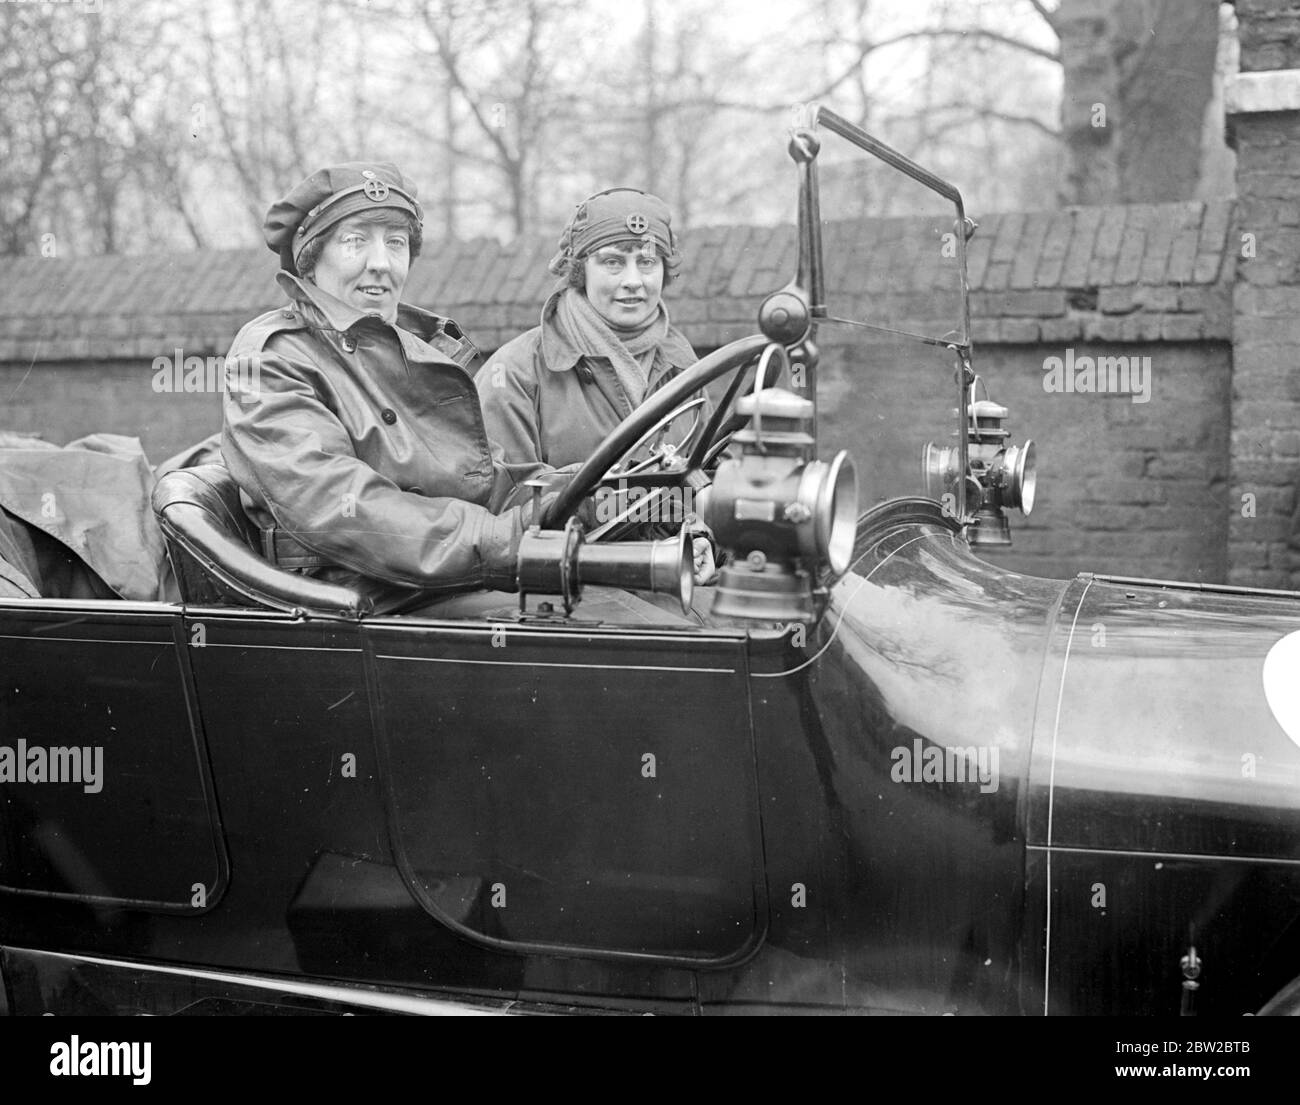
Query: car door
[(576, 789), (105, 791)]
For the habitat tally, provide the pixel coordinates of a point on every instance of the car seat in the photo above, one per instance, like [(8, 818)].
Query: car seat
[(214, 550)]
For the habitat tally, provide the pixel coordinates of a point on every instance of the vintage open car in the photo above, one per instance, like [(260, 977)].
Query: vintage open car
[(884, 774)]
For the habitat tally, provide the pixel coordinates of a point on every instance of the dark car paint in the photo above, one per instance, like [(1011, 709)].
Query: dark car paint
[(351, 796)]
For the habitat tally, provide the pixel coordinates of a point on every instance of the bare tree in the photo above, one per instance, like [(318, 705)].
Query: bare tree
[(854, 58), (260, 106), (184, 122), (80, 150), (504, 104), (1138, 77), (37, 69)]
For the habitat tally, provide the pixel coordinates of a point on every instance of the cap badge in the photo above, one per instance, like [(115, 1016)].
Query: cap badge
[(375, 188), (638, 224)]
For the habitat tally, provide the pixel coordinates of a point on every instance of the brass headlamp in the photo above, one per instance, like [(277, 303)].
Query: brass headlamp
[(785, 517), (998, 475)]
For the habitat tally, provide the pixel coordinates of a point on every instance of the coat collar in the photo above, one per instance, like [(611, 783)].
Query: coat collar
[(560, 355), (341, 316)]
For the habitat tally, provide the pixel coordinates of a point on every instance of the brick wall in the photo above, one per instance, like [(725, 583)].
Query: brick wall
[(1266, 386), (1124, 488), (1263, 106), (1269, 34), (65, 400)]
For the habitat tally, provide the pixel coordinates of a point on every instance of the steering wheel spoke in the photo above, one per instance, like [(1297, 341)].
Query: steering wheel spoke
[(683, 393), (662, 452), (630, 518)]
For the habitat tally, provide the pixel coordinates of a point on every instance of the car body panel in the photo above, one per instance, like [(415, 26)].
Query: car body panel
[(600, 798), (105, 684), (375, 779)]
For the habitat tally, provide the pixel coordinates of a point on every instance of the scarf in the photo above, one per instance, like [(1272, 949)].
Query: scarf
[(631, 352)]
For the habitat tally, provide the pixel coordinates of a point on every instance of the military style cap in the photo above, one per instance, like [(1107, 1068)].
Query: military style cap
[(330, 195), (615, 215)]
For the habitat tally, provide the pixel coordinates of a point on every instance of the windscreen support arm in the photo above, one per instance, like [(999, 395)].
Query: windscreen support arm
[(788, 317), (810, 253), (810, 272)]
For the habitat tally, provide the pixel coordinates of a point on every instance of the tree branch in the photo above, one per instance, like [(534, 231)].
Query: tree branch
[(975, 33), (1049, 17), (975, 111)]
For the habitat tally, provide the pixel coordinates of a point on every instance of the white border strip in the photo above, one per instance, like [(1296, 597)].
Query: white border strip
[(551, 664), (343, 995), (1051, 794), (1208, 857), (276, 648), (83, 640)]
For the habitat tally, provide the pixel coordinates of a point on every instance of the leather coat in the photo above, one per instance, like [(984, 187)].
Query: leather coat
[(360, 445), (546, 402)]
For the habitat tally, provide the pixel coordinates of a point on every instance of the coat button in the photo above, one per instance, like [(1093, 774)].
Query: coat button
[(287, 314), (349, 346), (389, 415)]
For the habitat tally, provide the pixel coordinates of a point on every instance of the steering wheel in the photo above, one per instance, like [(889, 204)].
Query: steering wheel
[(663, 453), (648, 418)]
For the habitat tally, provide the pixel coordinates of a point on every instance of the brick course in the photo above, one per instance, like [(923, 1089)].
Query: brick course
[(1265, 441)]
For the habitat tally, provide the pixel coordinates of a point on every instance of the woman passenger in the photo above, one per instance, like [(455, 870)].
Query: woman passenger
[(605, 343)]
